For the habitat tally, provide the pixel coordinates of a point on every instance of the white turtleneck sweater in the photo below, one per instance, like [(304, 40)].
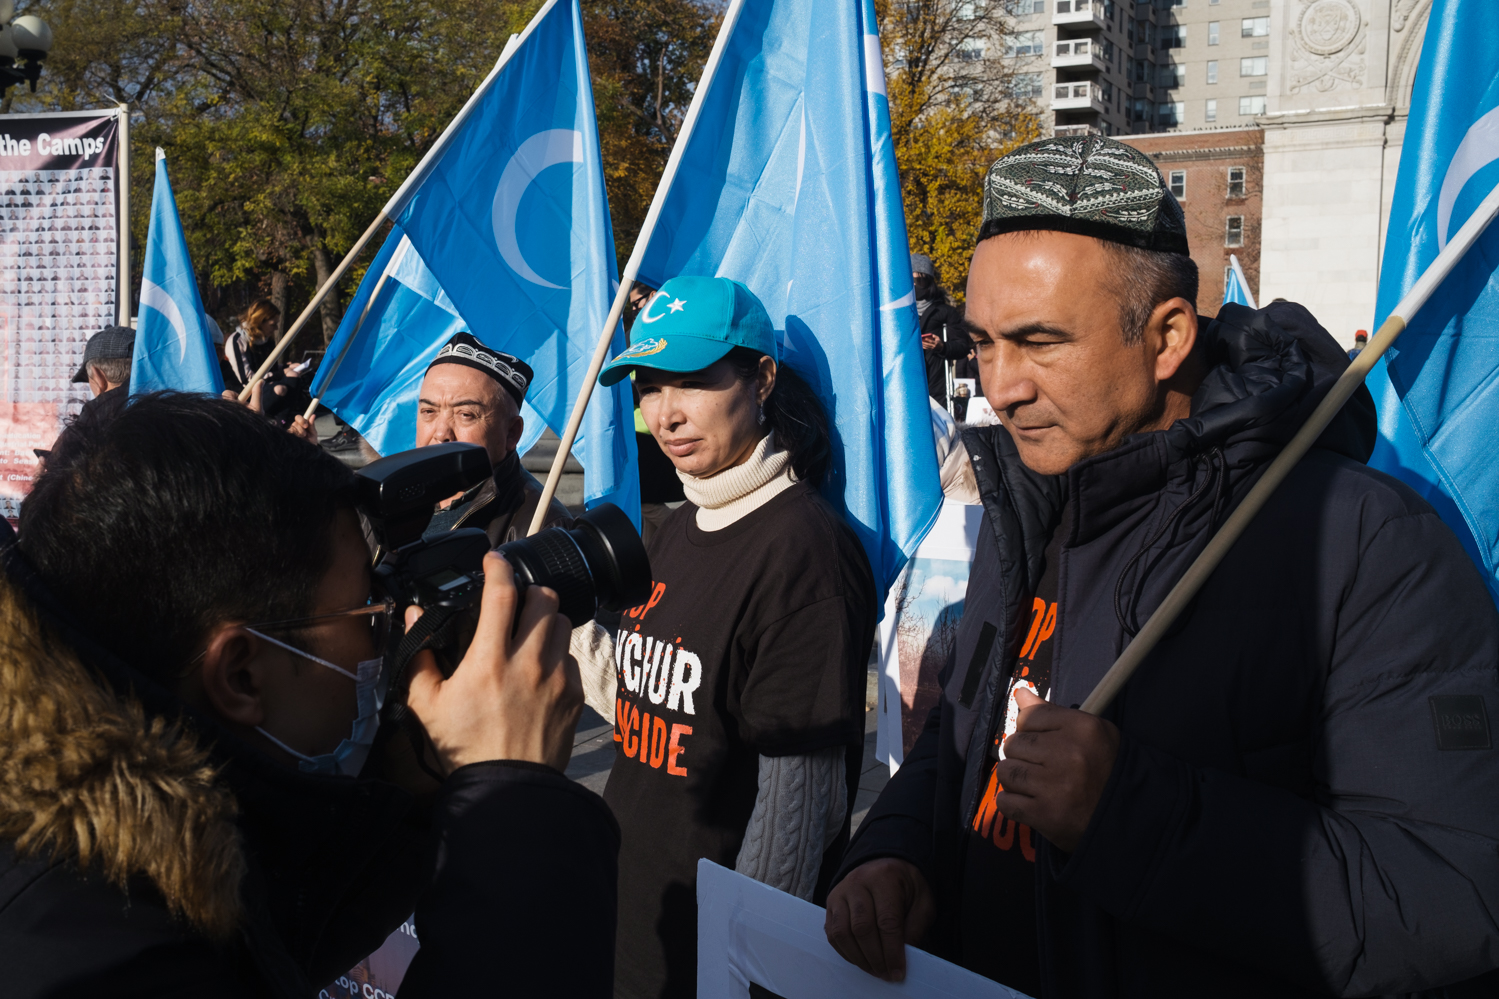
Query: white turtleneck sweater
[(801, 800)]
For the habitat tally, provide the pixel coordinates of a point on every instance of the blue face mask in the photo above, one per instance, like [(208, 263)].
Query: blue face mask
[(348, 757)]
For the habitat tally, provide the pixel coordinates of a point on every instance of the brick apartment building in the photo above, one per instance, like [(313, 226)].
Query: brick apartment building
[(1218, 176)]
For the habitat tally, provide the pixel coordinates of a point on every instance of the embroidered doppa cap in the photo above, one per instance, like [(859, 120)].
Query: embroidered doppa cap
[(1090, 185), (692, 322), (513, 374), (110, 343)]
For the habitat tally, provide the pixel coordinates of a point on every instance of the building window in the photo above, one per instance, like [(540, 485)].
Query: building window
[(1020, 8), (1214, 3), (1141, 110), (1212, 32), (1138, 69), (1174, 36), (1170, 113), (1210, 112), (1025, 86), (1233, 232), (1025, 43), (1178, 3), (1236, 182), (1171, 76), (1254, 66), (1254, 27), (1212, 70), (972, 50), (1251, 105), (1178, 180)]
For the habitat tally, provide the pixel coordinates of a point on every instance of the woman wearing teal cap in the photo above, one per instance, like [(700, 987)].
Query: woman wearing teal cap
[(737, 689)]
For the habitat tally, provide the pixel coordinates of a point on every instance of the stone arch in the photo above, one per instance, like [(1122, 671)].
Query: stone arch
[(1408, 38)]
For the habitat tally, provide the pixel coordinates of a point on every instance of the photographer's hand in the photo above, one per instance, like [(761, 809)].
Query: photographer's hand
[(513, 697)]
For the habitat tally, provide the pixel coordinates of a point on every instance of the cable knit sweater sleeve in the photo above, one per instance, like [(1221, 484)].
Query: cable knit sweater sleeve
[(593, 647), (798, 814)]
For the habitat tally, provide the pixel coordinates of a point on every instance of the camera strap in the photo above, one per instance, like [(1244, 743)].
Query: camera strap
[(417, 638)]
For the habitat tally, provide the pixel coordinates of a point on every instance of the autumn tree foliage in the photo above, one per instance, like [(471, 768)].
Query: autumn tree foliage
[(289, 123), (953, 111)]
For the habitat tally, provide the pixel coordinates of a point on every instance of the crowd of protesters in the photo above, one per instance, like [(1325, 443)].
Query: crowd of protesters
[(1296, 795)]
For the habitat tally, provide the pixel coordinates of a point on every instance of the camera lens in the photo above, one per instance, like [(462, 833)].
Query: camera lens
[(598, 563)]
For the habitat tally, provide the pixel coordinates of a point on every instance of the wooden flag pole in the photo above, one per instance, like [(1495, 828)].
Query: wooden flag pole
[(398, 200), (1197, 574), (632, 266)]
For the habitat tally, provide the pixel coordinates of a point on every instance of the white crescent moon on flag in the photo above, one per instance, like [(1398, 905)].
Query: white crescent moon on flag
[(544, 149), (1479, 148), (154, 296)]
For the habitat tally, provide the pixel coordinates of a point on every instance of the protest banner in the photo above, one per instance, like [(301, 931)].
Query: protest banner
[(919, 627), (756, 941), (63, 274)]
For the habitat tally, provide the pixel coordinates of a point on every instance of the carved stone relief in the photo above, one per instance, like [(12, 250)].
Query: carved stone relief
[(1401, 15), (1328, 44)]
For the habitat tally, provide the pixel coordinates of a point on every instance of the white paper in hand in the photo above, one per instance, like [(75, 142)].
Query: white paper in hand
[(751, 933)]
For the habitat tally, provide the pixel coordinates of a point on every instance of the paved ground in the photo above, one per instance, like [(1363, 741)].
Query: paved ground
[(593, 755)]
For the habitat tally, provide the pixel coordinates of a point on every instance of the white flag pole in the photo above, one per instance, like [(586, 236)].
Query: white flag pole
[(122, 178), (398, 200), (632, 266), (1197, 574)]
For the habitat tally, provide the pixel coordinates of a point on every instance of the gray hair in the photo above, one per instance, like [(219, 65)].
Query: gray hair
[(115, 370), (1146, 279)]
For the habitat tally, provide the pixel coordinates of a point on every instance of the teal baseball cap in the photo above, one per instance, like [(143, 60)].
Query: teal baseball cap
[(690, 324)]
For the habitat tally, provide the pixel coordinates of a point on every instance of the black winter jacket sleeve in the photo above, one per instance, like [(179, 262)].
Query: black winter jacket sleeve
[(1387, 871), (523, 900)]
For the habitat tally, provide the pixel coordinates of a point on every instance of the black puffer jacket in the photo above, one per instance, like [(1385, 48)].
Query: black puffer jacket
[(1280, 819), (143, 852)]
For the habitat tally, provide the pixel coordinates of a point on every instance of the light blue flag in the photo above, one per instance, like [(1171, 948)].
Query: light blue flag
[(1236, 285), (377, 359), (1437, 388), (173, 348), (789, 184), (512, 220)]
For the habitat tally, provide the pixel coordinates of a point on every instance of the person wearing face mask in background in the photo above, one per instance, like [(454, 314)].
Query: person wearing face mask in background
[(738, 699), (943, 337), (195, 798)]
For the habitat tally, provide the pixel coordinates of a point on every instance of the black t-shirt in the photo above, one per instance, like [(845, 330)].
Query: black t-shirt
[(754, 642), (999, 882)]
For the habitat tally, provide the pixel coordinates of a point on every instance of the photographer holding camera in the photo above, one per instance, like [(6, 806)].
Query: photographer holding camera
[(193, 797)]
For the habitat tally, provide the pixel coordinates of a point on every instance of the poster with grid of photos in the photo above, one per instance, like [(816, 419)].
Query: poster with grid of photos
[(60, 282)]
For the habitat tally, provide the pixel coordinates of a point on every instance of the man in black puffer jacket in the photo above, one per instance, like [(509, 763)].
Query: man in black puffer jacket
[(1297, 793)]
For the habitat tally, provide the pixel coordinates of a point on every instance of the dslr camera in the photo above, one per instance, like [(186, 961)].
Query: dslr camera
[(599, 563)]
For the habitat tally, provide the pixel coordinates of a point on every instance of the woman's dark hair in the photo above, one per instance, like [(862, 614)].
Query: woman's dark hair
[(794, 413), (155, 522)]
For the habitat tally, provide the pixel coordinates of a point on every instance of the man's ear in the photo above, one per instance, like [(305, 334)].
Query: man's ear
[(232, 675), (513, 435), (97, 383), (1173, 331)]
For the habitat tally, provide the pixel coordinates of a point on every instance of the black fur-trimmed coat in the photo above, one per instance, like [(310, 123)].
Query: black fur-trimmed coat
[(145, 853)]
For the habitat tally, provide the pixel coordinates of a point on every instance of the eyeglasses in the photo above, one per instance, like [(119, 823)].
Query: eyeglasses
[(379, 612)]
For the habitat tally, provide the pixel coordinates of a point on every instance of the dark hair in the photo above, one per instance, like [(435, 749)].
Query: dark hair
[(794, 414), (181, 511), (1146, 279)]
